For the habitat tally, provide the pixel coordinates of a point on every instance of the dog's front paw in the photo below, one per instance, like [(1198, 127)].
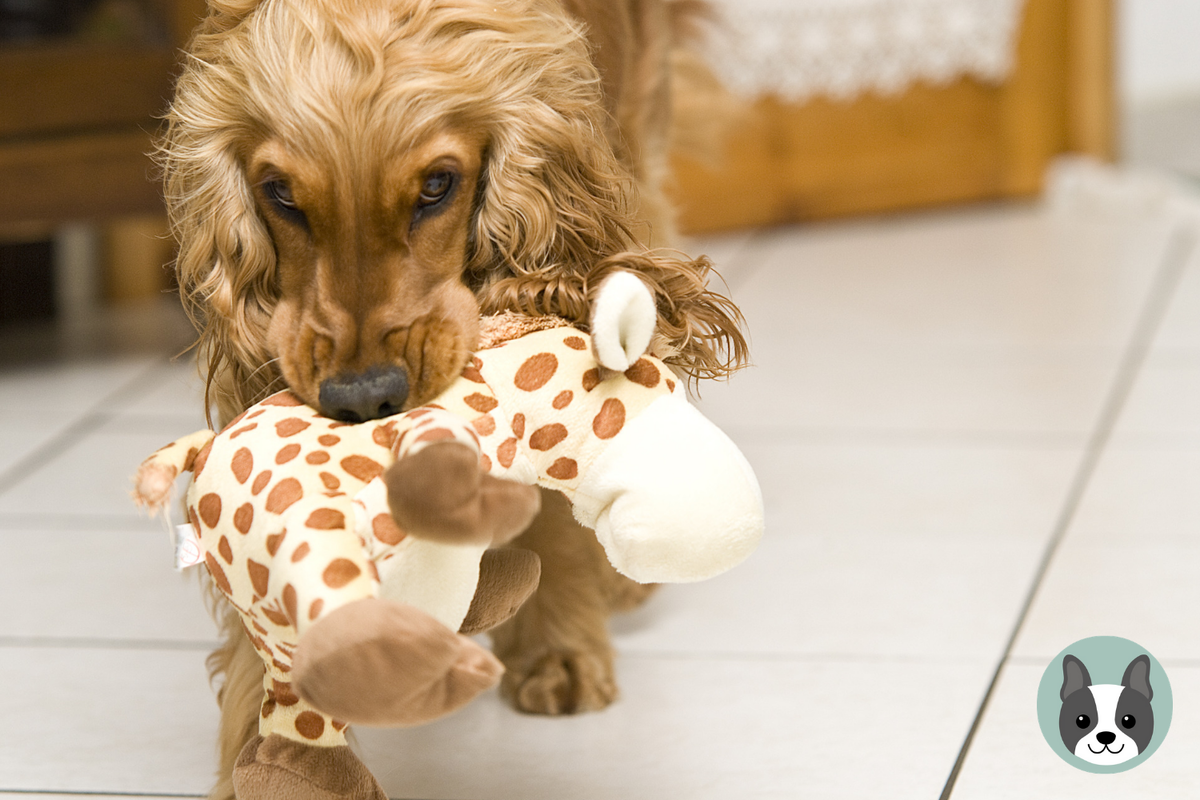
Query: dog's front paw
[(442, 494), (562, 683)]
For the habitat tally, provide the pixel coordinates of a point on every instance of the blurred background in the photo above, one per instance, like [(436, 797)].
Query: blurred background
[(975, 416), (836, 119), (82, 226)]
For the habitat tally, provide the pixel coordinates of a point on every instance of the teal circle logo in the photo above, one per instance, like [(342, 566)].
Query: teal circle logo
[(1104, 704)]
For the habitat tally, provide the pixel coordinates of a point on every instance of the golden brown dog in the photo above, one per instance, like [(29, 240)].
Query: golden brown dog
[(352, 182)]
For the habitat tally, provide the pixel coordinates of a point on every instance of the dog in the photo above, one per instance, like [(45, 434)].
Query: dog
[(352, 183), (1105, 723)]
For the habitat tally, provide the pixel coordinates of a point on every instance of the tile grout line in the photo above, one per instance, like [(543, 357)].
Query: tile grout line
[(101, 793), (59, 443), (1180, 248), (127, 390), (92, 793), (81, 521), (908, 436), (1181, 663), (87, 423), (99, 643), (795, 658), (736, 274)]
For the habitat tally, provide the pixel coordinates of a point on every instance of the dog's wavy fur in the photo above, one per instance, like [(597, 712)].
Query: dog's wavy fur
[(569, 190)]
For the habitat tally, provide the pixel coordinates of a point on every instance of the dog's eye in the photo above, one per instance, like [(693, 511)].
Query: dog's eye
[(1128, 721), (436, 187), (280, 194), (1083, 720)]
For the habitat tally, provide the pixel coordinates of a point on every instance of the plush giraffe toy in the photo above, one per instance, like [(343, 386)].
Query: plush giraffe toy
[(353, 551)]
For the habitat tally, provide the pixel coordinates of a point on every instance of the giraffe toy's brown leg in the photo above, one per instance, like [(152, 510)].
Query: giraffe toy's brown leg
[(377, 662), (507, 577), (277, 768), (441, 494)]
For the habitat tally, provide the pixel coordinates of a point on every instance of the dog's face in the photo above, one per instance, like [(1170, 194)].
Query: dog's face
[(373, 315), (350, 183), (1105, 723)]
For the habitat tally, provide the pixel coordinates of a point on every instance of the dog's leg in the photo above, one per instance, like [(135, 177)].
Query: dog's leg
[(624, 594), (556, 650), (239, 668)]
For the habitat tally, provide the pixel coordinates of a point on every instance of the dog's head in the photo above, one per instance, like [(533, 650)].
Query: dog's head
[(1105, 723), (345, 179)]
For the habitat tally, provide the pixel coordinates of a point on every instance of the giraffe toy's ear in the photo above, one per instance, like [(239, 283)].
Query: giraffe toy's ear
[(623, 320)]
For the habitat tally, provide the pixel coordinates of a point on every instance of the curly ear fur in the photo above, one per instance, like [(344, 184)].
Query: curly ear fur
[(555, 206), (557, 213), (697, 331), (226, 260), (226, 268), (225, 14)]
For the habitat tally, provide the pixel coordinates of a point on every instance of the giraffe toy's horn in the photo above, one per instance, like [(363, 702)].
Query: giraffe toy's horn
[(623, 320)]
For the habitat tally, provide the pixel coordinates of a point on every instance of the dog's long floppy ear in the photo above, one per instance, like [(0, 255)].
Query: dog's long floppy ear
[(1075, 676), (1137, 676), (556, 207), (225, 14), (226, 261), (554, 198)]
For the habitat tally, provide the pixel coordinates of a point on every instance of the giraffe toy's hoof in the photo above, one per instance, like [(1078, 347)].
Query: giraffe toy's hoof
[(441, 494), (507, 578), (276, 768), (381, 663)]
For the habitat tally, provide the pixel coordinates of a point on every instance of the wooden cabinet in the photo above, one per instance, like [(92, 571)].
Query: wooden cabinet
[(78, 115), (931, 145), (75, 128)]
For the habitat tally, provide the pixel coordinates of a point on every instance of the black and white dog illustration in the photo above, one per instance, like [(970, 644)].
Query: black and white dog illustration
[(1105, 723)]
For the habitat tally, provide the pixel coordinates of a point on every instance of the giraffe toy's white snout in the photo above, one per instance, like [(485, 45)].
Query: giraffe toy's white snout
[(672, 499)]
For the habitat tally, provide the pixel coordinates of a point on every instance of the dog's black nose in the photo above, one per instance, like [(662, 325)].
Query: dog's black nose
[(378, 392), (1106, 737)]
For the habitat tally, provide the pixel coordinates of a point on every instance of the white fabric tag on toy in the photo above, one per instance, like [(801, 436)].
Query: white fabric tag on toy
[(188, 552)]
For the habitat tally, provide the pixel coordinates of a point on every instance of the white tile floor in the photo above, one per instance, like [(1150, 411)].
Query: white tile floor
[(939, 402)]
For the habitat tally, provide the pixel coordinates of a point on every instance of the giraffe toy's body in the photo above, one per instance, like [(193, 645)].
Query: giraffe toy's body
[(293, 514)]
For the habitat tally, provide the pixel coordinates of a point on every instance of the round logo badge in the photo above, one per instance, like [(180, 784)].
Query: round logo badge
[(1104, 704)]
